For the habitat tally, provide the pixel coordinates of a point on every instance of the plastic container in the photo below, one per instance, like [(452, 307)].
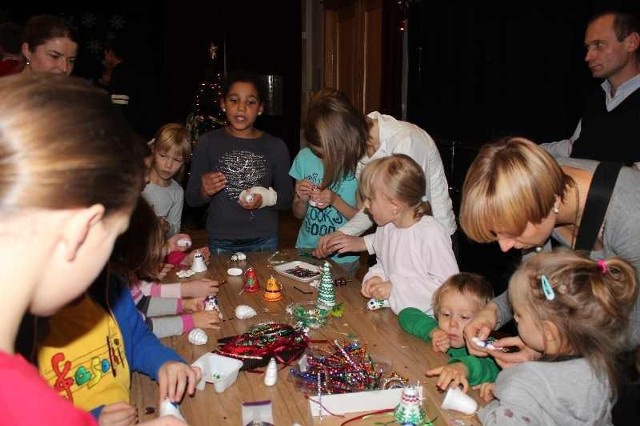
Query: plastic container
[(308, 314), (220, 370)]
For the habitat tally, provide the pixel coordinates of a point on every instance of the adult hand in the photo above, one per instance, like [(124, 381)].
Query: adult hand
[(212, 183), (481, 326), (343, 243), (450, 376), (118, 414), (509, 359), (174, 378), (322, 248)]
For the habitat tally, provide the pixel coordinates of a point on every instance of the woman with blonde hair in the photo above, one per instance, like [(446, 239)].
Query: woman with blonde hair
[(516, 194)]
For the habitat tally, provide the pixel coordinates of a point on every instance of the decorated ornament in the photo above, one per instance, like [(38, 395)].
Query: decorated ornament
[(211, 304), (198, 263), (244, 312), (326, 292), (374, 304), (271, 373), (273, 291), (169, 408), (409, 411), (251, 283), (198, 337), (238, 257)]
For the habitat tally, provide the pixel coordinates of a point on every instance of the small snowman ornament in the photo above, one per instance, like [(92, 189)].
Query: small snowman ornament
[(198, 264)]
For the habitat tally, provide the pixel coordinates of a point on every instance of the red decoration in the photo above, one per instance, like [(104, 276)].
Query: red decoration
[(251, 283)]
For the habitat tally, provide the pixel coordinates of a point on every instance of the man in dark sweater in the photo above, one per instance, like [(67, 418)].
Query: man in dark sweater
[(609, 129)]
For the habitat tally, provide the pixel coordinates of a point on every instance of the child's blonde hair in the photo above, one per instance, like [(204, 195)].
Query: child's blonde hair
[(173, 135), (588, 301), (398, 176), (471, 285)]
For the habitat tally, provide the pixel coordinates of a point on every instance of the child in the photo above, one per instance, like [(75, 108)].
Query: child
[(70, 178), (458, 300), (414, 254), (322, 210), (137, 255), (240, 158), (171, 148), (349, 140), (575, 311)]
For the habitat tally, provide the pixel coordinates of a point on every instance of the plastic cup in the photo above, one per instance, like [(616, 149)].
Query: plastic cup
[(457, 400)]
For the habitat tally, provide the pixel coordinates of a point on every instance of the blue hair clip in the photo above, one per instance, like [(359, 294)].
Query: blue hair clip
[(547, 289)]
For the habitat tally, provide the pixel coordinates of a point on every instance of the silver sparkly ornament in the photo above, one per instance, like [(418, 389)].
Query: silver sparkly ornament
[(198, 337)]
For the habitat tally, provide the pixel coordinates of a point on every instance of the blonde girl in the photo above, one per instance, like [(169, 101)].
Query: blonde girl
[(171, 148), (413, 251), (575, 312)]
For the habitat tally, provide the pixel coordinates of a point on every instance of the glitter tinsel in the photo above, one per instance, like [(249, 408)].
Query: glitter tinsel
[(346, 367)]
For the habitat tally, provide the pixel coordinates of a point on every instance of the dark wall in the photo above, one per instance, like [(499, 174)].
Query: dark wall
[(264, 37)]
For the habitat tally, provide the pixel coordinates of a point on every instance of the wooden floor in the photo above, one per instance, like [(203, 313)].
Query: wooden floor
[(289, 227)]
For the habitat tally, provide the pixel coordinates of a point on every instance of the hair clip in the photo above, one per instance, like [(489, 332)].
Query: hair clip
[(547, 289), (603, 266), (424, 199)]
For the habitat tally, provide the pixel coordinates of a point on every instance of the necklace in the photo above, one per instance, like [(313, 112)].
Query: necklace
[(575, 224)]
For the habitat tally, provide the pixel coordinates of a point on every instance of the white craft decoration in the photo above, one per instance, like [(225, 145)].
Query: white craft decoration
[(457, 400), (374, 304), (244, 312), (198, 337), (271, 373), (184, 243), (198, 263), (168, 408), (241, 256), (185, 273)]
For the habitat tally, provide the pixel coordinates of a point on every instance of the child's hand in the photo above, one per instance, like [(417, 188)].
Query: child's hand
[(204, 251), (255, 203), (440, 340), (172, 243), (199, 288), (376, 288), (118, 414), (206, 319), (193, 305), (175, 377), (304, 189), (323, 198), (486, 391), (164, 270), (212, 183), (450, 376)]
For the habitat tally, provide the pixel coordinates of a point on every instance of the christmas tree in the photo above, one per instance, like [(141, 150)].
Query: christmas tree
[(206, 113), (326, 292)]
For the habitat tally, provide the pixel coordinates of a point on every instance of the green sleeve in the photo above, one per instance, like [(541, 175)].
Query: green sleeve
[(479, 369), (416, 322)]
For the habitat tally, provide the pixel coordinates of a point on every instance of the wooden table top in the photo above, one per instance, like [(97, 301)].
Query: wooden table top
[(408, 356)]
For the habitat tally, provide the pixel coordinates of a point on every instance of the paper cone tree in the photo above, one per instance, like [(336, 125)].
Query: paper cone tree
[(409, 410), (326, 291)]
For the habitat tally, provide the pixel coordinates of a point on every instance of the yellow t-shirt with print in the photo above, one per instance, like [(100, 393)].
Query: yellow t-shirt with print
[(83, 356)]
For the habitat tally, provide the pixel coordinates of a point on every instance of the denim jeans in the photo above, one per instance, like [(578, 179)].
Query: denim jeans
[(218, 246)]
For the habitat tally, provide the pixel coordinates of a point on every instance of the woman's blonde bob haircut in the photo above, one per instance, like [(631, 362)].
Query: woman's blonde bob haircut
[(511, 182)]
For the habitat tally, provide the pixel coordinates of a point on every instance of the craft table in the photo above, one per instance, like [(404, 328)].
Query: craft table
[(409, 356)]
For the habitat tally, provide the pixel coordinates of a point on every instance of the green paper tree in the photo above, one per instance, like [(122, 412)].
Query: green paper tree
[(326, 292)]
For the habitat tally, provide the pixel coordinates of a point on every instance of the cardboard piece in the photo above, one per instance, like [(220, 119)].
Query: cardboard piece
[(355, 402)]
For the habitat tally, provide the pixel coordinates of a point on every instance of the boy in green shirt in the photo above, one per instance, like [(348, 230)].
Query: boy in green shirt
[(455, 303)]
